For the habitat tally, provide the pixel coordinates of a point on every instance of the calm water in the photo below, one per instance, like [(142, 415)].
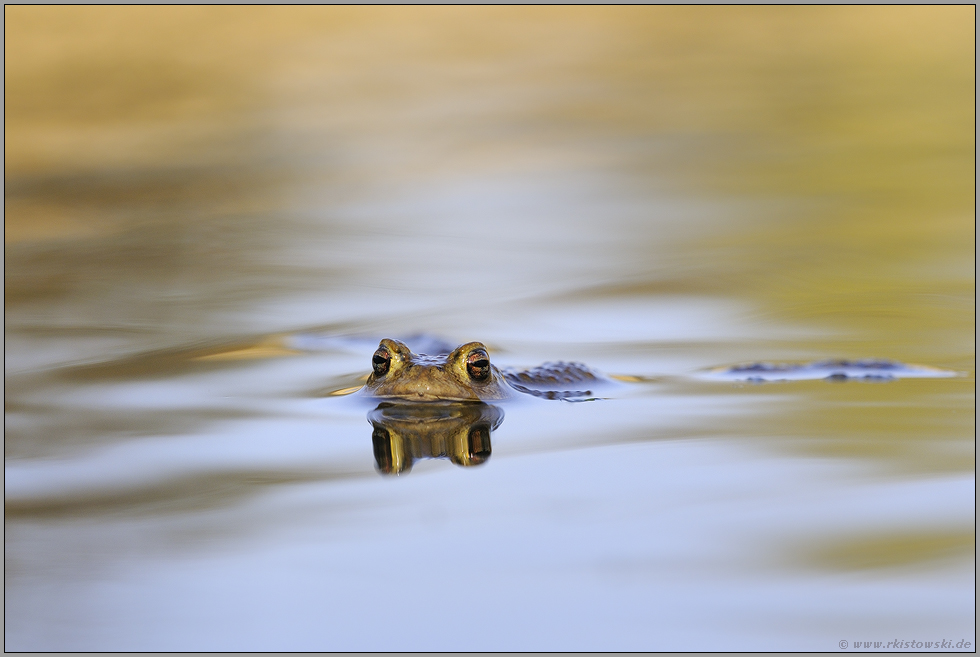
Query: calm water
[(212, 215)]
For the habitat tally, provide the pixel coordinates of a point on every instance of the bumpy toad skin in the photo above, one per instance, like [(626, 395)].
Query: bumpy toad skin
[(463, 375)]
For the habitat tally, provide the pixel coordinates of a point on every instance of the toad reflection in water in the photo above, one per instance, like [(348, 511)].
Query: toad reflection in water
[(405, 432)]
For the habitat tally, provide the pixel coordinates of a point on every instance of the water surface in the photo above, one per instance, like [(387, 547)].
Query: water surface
[(212, 215)]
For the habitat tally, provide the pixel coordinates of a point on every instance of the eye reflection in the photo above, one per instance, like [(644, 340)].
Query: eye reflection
[(478, 444), (404, 432)]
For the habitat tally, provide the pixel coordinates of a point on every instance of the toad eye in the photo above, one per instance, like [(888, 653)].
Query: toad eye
[(381, 362), (478, 365)]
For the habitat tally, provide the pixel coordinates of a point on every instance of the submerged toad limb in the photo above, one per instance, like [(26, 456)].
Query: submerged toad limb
[(554, 380), (466, 374), (831, 370), (406, 431)]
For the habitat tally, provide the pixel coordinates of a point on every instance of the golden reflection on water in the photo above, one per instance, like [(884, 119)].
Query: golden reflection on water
[(174, 497), (894, 550)]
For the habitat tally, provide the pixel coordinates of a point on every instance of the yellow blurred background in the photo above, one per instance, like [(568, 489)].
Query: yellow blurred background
[(865, 110)]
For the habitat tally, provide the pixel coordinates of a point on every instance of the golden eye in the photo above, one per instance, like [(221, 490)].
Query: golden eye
[(381, 362), (478, 365)]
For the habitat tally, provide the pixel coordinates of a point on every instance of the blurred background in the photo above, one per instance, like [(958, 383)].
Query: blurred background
[(206, 207)]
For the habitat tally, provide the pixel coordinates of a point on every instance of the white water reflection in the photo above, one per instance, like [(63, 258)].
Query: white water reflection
[(684, 548)]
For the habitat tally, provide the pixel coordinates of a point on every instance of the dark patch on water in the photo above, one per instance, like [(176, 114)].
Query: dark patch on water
[(830, 370)]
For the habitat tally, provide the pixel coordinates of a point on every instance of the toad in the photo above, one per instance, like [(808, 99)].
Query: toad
[(466, 374)]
